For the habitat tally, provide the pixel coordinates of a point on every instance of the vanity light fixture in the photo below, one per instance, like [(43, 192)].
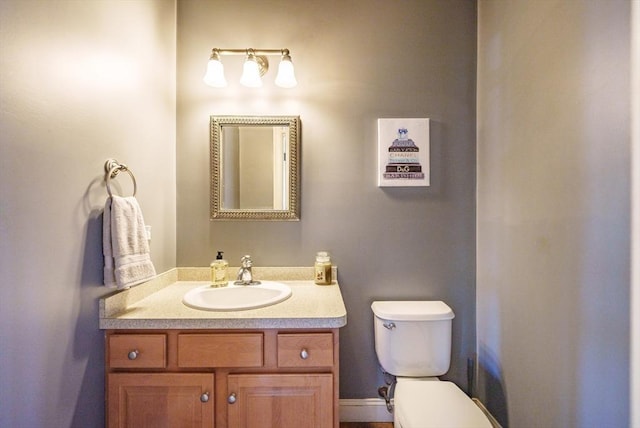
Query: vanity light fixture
[(255, 66)]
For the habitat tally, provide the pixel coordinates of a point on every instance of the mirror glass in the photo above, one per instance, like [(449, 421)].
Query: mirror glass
[(254, 167)]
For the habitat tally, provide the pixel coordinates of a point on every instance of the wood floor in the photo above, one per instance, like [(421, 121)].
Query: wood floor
[(366, 424)]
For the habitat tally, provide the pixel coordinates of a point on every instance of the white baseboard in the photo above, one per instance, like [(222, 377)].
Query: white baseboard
[(364, 410)]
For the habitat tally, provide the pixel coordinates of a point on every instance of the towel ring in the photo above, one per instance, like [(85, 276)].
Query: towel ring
[(112, 167)]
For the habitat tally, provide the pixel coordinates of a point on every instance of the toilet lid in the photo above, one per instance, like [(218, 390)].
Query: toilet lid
[(435, 404)]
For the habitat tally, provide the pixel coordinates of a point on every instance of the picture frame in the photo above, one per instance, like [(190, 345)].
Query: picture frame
[(403, 152)]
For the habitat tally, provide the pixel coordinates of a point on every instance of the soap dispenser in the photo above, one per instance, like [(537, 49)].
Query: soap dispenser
[(219, 271)]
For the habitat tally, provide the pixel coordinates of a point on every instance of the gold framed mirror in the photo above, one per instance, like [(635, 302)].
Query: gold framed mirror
[(255, 167)]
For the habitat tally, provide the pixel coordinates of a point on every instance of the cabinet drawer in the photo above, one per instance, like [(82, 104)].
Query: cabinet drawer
[(220, 350), (305, 350), (137, 351)]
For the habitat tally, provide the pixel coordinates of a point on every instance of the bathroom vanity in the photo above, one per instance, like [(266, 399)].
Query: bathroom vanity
[(170, 365)]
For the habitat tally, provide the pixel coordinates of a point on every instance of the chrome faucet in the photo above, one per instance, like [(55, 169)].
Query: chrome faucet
[(245, 277)]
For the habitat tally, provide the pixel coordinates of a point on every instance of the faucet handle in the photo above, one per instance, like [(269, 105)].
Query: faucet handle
[(246, 261)]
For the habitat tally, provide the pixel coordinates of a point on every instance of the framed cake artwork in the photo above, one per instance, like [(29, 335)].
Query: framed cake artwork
[(403, 152)]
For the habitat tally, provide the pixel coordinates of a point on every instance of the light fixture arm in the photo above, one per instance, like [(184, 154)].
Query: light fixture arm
[(254, 51)]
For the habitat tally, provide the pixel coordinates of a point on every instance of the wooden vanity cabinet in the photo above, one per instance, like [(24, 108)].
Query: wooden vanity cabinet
[(222, 378)]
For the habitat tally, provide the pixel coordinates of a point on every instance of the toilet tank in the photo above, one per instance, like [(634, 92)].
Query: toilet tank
[(413, 338)]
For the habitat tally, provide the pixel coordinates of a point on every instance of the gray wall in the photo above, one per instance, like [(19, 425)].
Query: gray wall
[(356, 61), (553, 254), (79, 82)]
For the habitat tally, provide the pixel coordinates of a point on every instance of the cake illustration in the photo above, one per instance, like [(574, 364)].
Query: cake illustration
[(404, 159)]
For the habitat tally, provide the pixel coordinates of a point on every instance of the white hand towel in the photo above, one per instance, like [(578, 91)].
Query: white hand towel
[(127, 259)]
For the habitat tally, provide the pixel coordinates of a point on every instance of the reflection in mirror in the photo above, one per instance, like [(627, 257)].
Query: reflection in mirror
[(254, 167), (254, 173)]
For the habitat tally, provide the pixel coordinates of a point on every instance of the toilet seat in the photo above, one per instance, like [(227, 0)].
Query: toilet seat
[(427, 403)]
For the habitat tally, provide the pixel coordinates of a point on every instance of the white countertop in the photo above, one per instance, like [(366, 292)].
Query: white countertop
[(158, 304)]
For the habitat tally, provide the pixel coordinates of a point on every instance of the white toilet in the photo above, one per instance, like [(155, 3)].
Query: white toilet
[(413, 343)]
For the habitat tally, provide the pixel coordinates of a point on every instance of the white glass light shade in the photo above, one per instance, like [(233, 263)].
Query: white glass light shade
[(215, 74), (286, 77), (251, 73)]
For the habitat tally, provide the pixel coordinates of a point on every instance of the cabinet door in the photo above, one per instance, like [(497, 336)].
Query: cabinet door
[(280, 401), (158, 400)]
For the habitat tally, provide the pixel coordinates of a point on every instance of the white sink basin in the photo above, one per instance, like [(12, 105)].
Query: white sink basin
[(237, 297)]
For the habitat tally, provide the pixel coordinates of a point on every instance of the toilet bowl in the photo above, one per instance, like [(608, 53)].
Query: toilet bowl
[(430, 403), (413, 343)]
